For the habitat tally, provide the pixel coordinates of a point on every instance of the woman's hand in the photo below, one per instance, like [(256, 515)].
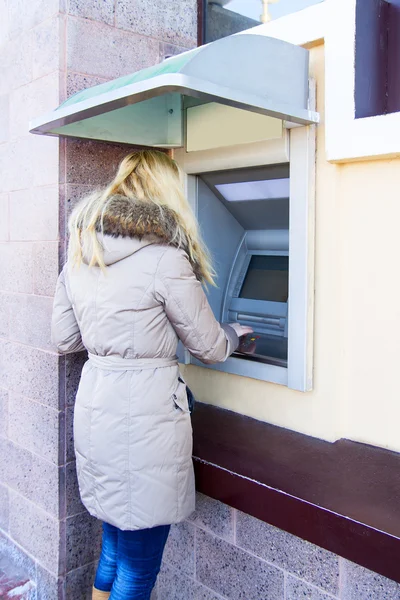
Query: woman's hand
[(241, 330)]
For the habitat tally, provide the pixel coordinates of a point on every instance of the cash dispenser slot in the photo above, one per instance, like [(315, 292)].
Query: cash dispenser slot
[(244, 217), (270, 321)]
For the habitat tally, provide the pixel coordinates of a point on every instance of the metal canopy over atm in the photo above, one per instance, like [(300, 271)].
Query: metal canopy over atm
[(249, 72)]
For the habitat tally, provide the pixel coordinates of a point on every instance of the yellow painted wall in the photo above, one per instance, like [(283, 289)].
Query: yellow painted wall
[(370, 301), (357, 311)]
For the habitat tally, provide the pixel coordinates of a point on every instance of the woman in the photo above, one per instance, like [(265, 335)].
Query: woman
[(131, 287)]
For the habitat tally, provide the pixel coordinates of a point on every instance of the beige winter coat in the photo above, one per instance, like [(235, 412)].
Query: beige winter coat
[(132, 428)]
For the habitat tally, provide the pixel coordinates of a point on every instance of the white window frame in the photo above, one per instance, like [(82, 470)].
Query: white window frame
[(347, 138), (297, 146)]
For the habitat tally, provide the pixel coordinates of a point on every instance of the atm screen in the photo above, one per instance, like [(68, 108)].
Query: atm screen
[(267, 278)]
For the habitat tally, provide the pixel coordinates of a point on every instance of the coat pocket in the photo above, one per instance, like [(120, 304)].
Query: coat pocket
[(180, 397), (190, 397)]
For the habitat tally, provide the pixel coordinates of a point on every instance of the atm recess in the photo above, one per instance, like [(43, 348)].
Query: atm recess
[(244, 218)]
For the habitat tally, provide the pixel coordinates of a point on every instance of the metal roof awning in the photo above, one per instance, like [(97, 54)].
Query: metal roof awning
[(250, 72)]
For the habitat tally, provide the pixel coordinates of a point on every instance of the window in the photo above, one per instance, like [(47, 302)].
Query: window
[(225, 17), (377, 80)]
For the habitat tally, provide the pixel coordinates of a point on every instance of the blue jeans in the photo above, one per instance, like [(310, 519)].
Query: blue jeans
[(130, 561)]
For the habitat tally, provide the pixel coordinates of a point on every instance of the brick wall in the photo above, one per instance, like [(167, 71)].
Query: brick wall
[(223, 554)]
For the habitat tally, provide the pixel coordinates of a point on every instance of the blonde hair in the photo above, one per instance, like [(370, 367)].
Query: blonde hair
[(148, 176)]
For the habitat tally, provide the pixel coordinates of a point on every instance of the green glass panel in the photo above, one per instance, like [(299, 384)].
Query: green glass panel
[(171, 65), (155, 122)]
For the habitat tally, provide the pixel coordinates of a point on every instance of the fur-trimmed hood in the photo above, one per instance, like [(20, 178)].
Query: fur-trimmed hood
[(130, 224)]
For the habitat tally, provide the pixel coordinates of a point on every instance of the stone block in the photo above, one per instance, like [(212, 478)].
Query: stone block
[(30, 320), (97, 49), (233, 572), (76, 82), (140, 17), (4, 314), (4, 207), (4, 364), (20, 111), (62, 144), (32, 100), (16, 266), (359, 583), (35, 530), (4, 37), (306, 561), (29, 161), (45, 268), (3, 412), (74, 505), (83, 534), (62, 219), (31, 476), (34, 426), (69, 421), (16, 61), (79, 583), (45, 167), (102, 11), (25, 15), (92, 164), (75, 192), (30, 372), (46, 47), (213, 516), (203, 593), (49, 586), (17, 164), (4, 508), (34, 214), (73, 364), (300, 590), (4, 118), (17, 556), (172, 585), (174, 22), (179, 549)]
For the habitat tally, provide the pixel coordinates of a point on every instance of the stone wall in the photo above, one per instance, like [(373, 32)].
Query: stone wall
[(223, 554), (31, 419), (50, 49)]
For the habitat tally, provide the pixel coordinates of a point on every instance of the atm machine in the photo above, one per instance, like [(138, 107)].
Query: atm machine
[(244, 218)]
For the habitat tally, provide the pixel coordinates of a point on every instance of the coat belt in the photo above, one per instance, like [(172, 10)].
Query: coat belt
[(117, 363)]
